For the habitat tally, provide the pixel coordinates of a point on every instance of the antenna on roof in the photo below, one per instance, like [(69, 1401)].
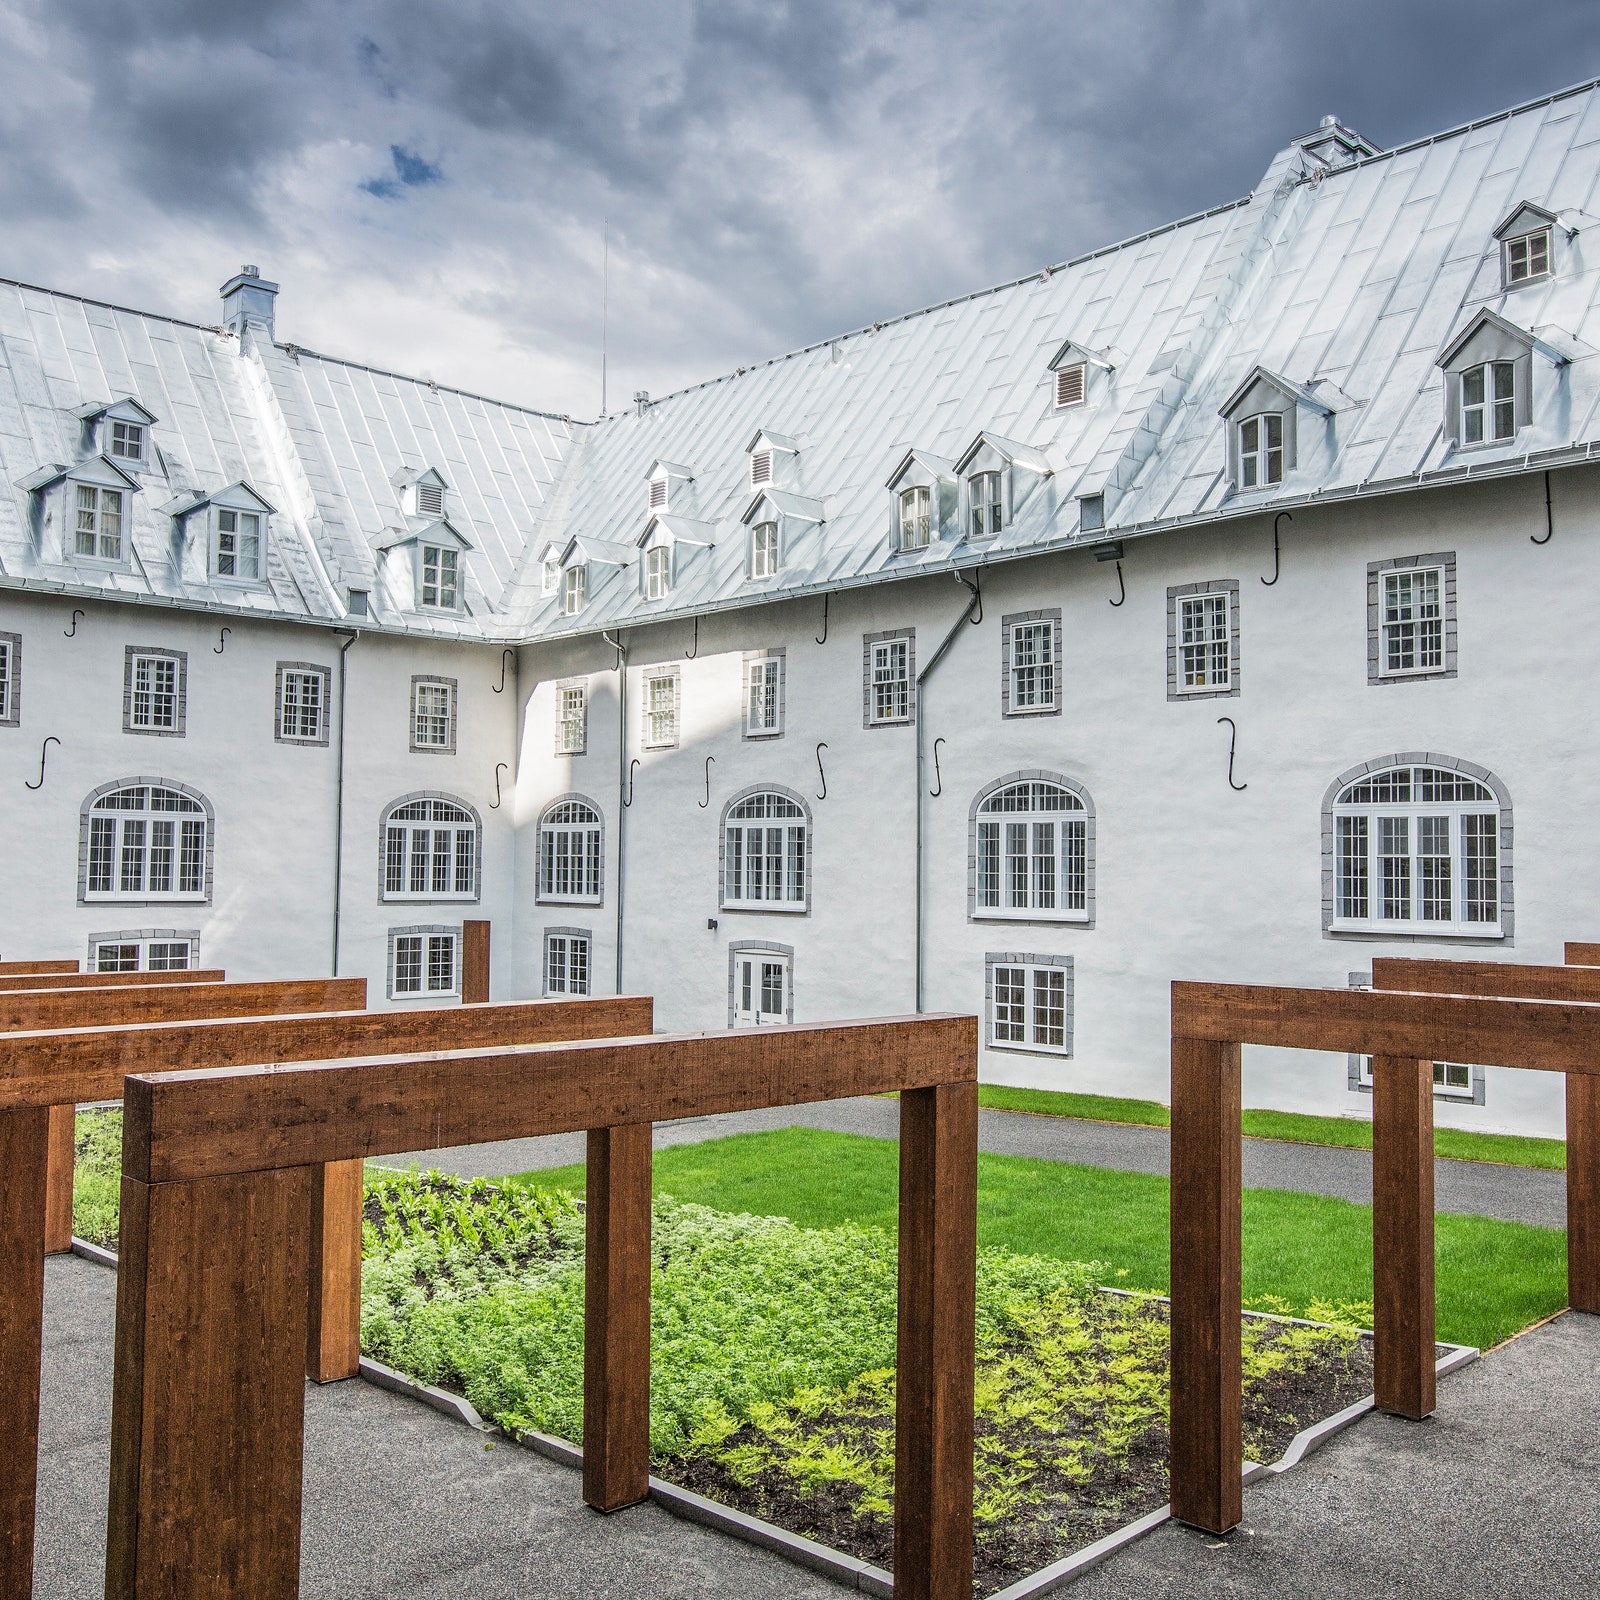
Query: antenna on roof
[(605, 285)]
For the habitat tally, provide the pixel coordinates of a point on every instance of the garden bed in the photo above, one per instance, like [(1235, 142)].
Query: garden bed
[(772, 1364)]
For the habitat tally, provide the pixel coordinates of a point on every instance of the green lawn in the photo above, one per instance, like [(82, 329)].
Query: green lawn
[(1351, 1133), (1492, 1277)]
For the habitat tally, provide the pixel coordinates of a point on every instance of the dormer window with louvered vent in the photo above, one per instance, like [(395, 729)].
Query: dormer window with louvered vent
[(1069, 385), (658, 494), (671, 488), (1073, 370), (1527, 242), (423, 492), (760, 469), (773, 457), (430, 499)]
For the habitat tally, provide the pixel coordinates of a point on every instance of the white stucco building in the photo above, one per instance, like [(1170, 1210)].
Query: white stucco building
[(1216, 605)]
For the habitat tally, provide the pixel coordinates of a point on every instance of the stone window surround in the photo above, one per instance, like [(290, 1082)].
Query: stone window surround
[(867, 642), (326, 674), (144, 936), (448, 748), (148, 783), (424, 993), (778, 653), (539, 896), (1477, 1096), (649, 676), (134, 652), (1072, 787), (562, 685), (1052, 615), (545, 935), (477, 850), (777, 908), (13, 716), (1022, 958), (1183, 591), (1375, 571)]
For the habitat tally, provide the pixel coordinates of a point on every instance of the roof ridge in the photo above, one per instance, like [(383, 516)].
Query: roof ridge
[(108, 305)]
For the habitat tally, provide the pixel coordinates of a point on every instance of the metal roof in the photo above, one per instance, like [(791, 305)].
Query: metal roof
[(1352, 278)]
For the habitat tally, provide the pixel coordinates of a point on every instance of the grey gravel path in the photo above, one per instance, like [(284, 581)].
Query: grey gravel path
[(400, 1503), (1496, 1497), (1513, 1194)]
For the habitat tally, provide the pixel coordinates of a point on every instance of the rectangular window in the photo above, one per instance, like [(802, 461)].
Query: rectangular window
[(763, 697), (572, 595), (423, 963), (572, 720), (1030, 1004), (239, 545), (302, 704), (764, 550), (10, 679), (1352, 868), (657, 572), (127, 441), (566, 964), (1527, 257), (986, 504), (1489, 403), (99, 532), (1203, 644), (891, 681), (1480, 867), (1034, 866), (916, 518), (1033, 666), (440, 568), (1413, 620), (408, 964), (116, 958), (661, 711), (155, 693), (433, 714), (1452, 1080), (1261, 450)]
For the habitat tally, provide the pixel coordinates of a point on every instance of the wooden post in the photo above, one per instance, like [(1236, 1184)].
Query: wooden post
[(208, 1399), (616, 1318), (333, 1322), (1207, 1267), (1402, 1234), (1583, 1192), (58, 1179), (474, 963), (934, 1380), (23, 1140)]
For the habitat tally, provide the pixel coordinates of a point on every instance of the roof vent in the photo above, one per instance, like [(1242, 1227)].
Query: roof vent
[(1092, 518), (760, 468), (247, 298), (1331, 144), (356, 604), (641, 401)]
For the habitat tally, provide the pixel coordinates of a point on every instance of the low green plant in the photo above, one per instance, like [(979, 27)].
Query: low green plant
[(97, 1176)]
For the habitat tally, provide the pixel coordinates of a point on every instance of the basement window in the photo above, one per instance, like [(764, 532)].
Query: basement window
[(566, 961), (423, 963)]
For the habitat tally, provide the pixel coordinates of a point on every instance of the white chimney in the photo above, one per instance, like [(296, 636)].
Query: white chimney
[(247, 297)]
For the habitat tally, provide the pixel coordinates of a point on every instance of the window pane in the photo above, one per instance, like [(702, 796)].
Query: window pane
[(1480, 870), (116, 958), (1050, 1007), (1394, 862), (1352, 868), (1433, 869), (408, 964), (988, 863), (1010, 1005)]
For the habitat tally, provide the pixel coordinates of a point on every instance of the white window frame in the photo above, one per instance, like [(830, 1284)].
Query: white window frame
[(435, 855), (1029, 1003), (916, 504), (99, 516), (295, 678), (572, 853), (10, 680), (440, 589), (1456, 1081), (155, 691), (549, 576), (661, 714), (765, 691), (1492, 414), (764, 551), (568, 963), (1534, 243), (889, 679), (658, 572), (1204, 649), (240, 536), (146, 841), (574, 588), (986, 504), (1071, 385), (435, 707), (765, 853), (433, 948), (1261, 461), (1032, 846), (144, 950), (1412, 623), (1388, 846), (753, 960), (1032, 685), (141, 431), (572, 717)]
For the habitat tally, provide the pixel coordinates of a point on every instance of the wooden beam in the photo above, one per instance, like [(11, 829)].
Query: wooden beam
[(250, 1118), (1582, 955), (209, 1389), (59, 1163), (333, 1323), (23, 1137), (934, 1363), (1207, 1267), (90, 1063), (1503, 980), (13, 969), (1583, 1192), (24, 984), (474, 963), (1549, 1036), (1402, 1234), (616, 1318), (50, 1009)]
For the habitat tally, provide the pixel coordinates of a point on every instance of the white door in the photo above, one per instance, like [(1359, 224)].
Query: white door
[(761, 988)]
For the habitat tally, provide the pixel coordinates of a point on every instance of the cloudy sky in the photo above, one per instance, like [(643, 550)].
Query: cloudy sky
[(427, 179)]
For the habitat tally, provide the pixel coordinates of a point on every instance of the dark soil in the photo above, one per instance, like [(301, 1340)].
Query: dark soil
[(1074, 1514)]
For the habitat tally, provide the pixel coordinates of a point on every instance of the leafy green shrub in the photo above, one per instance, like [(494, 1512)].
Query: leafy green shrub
[(97, 1176)]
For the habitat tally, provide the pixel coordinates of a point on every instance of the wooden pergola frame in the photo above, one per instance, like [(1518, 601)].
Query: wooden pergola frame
[(1439, 1017), (208, 1409)]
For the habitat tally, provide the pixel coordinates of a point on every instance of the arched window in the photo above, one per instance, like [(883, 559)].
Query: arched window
[(571, 850), (765, 852), (1032, 849), (146, 839), (430, 849), (1418, 848)]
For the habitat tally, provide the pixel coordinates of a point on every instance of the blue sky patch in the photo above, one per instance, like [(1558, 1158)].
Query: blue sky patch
[(410, 172)]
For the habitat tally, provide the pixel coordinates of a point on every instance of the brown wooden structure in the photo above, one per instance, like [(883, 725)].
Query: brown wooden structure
[(207, 1420), (1404, 1033), (24, 969), (1581, 955), (14, 983)]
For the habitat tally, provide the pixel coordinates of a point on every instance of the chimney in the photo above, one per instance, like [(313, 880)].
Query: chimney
[(247, 297), (1333, 144)]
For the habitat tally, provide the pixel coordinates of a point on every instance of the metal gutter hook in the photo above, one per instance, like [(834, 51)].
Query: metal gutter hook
[(497, 766), (707, 801), (1549, 523), (1233, 745), (505, 657), (1276, 558), (44, 750), (222, 642), (628, 798), (67, 633), (824, 638), (689, 655), (821, 746), (934, 793), (1122, 588), (976, 589)]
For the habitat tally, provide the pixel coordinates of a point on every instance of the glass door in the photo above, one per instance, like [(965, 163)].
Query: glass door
[(761, 988)]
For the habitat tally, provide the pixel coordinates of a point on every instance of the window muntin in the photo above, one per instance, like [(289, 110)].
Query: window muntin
[(1033, 854), (127, 441), (1526, 257), (1070, 385), (441, 571), (765, 854), (238, 545), (1030, 1007), (424, 963), (433, 715), (986, 504), (574, 591), (1204, 648), (891, 681), (658, 572), (764, 550), (100, 516), (1261, 450), (569, 853), (1489, 403), (430, 851), (1033, 666), (1452, 1080), (154, 706), (1417, 849), (1412, 634), (660, 710), (302, 706), (146, 842), (566, 964), (916, 517), (763, 697), (430, 499), (572, 719)]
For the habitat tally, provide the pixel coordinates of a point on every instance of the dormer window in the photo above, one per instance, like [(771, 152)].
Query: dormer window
[(573, 592), (760, 469), (774, 458), (441, 572), (100, 518), (1489, 402), (1527, 257), (422, 491), (430, 499), (127, 442), (916, 517), (985, 498), (1261, 450), (764, 550), (1070, 386), (238, 545), (658, 572), (550, 575)]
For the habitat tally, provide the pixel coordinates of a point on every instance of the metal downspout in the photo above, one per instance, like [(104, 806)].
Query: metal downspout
[(922, 708), (338, 806), (622, 781)]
